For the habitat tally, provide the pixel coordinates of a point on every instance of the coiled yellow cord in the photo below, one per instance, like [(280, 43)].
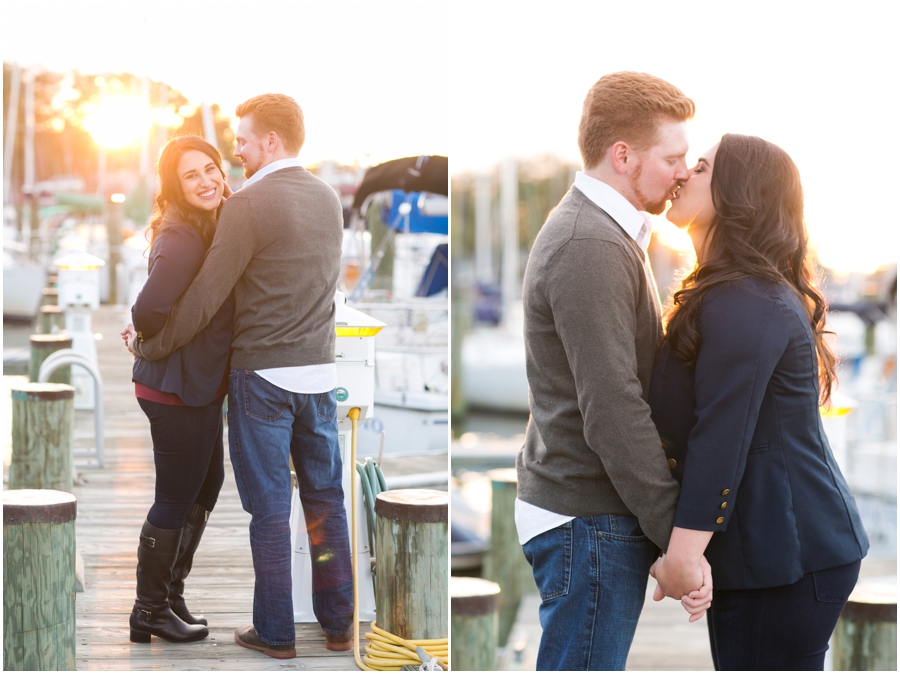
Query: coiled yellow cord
[(385, 651)]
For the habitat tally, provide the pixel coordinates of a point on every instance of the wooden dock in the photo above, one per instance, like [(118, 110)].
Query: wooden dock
[(112, 504)]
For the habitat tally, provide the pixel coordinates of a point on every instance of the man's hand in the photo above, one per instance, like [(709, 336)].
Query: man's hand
[(129, 335), (677, 576), (695, 602)]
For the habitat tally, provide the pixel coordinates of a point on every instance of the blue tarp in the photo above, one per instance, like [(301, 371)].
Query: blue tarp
[(418, 223), (434, 280)]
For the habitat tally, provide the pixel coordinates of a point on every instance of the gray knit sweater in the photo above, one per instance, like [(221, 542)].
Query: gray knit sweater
[(592, 326), (278, 244)]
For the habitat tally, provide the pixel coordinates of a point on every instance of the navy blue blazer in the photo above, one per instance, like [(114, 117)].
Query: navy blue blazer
[(194, 372), (743, 435)]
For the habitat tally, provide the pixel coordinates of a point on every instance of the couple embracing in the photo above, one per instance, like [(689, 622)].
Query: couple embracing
[(694, 454), (240, 300)]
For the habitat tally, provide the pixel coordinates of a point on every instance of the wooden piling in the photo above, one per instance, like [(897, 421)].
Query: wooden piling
[(51, 320), (38, 580), (50, 296), (474, 619), (411, 554), (504, 561), (43, 416), (865, 638), (41, 347)]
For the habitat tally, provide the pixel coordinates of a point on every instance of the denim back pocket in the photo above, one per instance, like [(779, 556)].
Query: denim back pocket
[(621, 528), (326, 406), (262, 399), (550, 556)]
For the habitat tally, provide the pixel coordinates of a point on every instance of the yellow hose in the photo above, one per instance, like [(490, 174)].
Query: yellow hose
[(385, 651)]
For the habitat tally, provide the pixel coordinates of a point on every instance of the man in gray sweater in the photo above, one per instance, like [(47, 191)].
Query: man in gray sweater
[(596, 499), (278, 245)]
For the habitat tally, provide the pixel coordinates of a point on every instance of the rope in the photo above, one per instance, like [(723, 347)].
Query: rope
[(388, 652)]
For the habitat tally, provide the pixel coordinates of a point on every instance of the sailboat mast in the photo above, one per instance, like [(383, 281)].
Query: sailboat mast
[(484, 267), (509, 208), (12, 121)]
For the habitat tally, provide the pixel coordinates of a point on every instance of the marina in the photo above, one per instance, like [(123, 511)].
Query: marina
[(112, 503)]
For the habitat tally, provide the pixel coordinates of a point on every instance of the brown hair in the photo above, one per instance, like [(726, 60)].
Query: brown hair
[(758, 230), (170, 205), (627, 106), (278, 113)]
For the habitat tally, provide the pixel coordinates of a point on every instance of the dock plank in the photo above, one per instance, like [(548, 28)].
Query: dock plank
[(112, 504)]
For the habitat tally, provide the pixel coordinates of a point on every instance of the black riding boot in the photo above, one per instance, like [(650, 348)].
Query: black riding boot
[(151, 613), (190, 539)]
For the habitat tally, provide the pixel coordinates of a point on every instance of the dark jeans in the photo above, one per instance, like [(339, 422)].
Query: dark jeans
[(779, 628), (592, 576), (188, 452), (266, 425)]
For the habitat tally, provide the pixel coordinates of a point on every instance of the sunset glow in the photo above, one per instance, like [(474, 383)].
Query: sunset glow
[(118, 121)]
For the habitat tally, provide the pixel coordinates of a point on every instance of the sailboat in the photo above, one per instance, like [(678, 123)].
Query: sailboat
[(412, 352)]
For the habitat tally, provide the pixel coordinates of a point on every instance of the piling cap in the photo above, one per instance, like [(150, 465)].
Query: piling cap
[(413, 505), (872, 601), (38, 505), (60, 340), (473, 596), (42, 392)]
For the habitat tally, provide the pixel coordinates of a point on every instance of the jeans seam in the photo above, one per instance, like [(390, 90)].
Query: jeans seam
[(598, 597)]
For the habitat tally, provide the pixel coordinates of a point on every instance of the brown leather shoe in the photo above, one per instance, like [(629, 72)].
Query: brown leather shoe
[(246, 636), (338, 642)]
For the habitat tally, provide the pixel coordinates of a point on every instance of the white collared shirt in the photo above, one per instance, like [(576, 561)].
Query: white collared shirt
[(530, 519), (636, 224), (301, 378), (277, 165)]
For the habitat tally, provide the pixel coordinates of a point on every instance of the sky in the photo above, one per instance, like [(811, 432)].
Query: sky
[(818, 79), (370, 77), (482, 81)]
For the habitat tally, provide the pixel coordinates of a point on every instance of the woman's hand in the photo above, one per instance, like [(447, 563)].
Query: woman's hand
[(129, 335), (226, 192)]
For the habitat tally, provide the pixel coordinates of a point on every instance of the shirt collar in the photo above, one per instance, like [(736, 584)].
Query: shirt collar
[(277, 165), (636, 224)]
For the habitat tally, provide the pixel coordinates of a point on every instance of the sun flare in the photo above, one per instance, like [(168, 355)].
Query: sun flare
[(118, 121)]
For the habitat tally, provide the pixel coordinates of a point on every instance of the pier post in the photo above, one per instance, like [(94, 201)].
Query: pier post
[(50, 296), (865, 638), (38, 580), (473, 616), (411, 554), (41, 347), (51, 319), (43, 417), (504, 561)]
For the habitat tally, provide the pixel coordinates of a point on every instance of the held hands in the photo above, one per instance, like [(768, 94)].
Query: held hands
[(129, 335), (676, 576)]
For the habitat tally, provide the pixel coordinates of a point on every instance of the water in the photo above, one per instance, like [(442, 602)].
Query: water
[(503, 425)]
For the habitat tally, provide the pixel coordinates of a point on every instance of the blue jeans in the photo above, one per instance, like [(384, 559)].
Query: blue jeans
[(266, 424), (592, 575)]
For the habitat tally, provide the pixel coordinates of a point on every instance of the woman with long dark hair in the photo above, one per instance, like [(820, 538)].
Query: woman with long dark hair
[(735, 395), (181, 394)]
